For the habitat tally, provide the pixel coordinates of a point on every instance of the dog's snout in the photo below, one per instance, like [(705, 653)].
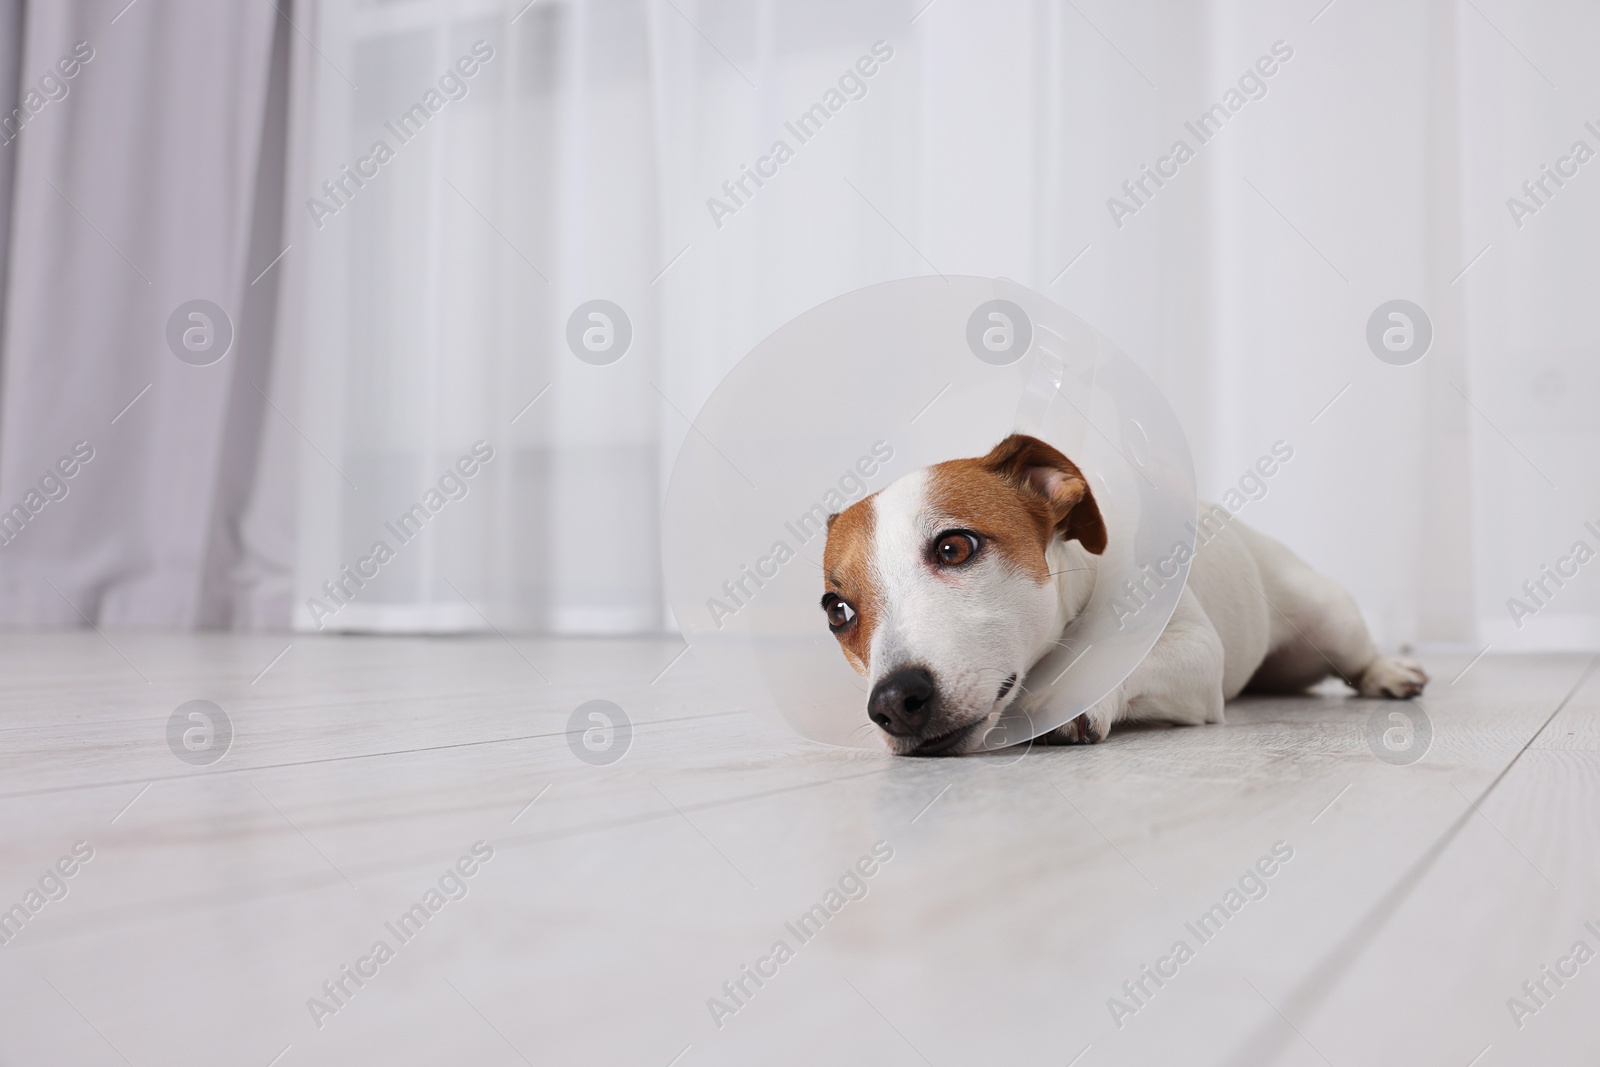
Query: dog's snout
[(903, 702)]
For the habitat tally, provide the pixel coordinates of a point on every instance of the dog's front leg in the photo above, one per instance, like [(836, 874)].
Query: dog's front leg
[(1093, 726), (1179, 681)]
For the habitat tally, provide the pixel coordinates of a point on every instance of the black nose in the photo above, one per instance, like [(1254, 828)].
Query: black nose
[(903, 702)]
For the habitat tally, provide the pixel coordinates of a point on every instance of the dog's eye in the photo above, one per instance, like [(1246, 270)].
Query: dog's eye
[(954, 547), (840, 613)]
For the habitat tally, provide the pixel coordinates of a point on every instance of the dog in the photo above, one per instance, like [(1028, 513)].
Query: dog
[(947, 585)]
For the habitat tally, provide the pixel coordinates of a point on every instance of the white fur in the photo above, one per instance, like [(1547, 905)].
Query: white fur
[(1006, 622)]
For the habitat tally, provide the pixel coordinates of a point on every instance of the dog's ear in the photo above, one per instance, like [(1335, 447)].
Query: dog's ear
[(831, 519), (1040, 470)]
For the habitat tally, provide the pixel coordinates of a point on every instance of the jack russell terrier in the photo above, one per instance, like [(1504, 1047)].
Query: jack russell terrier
[(945, 587)]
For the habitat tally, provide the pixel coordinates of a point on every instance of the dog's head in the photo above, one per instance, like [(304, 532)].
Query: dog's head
[(940, 592)]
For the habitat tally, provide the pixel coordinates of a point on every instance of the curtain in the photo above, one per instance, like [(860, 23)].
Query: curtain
[(133, 150), (430, 422)]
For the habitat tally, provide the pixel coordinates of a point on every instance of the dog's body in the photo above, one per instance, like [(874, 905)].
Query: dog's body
[(948, 585)]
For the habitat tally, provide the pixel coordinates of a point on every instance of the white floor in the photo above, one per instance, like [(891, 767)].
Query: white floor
[(1023, 889)]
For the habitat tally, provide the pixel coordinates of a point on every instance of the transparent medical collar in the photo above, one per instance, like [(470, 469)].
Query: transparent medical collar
[(874, 384)]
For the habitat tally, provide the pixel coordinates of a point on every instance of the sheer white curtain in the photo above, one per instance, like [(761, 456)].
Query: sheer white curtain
[(427, 306), (142, 146), (1533, 371)]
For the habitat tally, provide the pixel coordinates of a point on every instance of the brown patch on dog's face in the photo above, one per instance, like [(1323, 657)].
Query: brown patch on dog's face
[(1047, 476), (967, 494), (1019, 497), (850, 583)]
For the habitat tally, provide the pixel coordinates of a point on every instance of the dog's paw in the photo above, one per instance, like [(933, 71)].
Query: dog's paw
[(1396, 679), (1080, 731), (1090, 728)]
